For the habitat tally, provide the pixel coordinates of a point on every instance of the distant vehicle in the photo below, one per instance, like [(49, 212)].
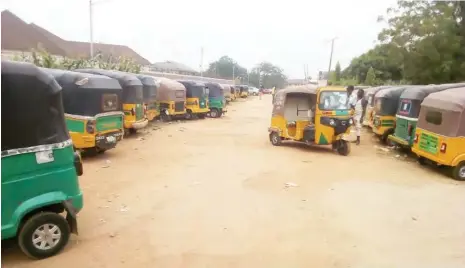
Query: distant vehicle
[(267, 91), (253, 91)]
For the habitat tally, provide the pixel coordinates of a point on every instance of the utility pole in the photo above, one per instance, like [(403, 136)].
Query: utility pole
[(201, 61), (91, 30), (234, 67), (331, 55), (248, 77)]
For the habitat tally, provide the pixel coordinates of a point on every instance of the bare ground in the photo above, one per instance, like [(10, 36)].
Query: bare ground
[(213, 193)]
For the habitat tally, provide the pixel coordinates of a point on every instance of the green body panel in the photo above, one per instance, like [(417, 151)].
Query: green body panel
[(203, 102), (387, 123), (75, 125), (428, 143), (111, 122), (402, 132), (342, 112), (27, 185), (216, 103), (139, 111), (322, 140)]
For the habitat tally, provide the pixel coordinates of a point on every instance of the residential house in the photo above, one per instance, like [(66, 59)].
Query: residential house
[(32, 36)]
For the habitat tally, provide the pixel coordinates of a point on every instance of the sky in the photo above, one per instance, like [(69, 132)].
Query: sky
[(288, 33)]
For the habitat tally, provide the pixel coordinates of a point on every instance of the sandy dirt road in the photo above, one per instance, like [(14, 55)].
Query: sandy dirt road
[(212, 194)]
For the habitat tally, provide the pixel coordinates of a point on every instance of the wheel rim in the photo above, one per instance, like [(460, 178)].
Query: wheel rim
[(462, 172), (46, 236), (213, 113), (275, 139)]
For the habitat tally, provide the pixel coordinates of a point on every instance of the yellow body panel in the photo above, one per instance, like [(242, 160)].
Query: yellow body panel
[(171, 109), (382, 124), (195, 108), (87, 140), (455, 151), (322, 133), (130, 120), (83, 141), (244, 94), (151, 114), (237, 94), (368, 118)]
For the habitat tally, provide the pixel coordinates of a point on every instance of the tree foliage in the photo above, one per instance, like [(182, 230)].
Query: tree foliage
[(225, 67), (337, 72), (370, 79), (423, 43), (41, 58), (265, 73)]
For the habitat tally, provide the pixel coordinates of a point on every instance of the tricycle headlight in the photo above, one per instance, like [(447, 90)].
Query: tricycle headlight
[(332, 122), (351, 121)]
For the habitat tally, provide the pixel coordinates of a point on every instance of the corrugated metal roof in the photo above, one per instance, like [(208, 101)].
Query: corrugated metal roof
[(172, 66)]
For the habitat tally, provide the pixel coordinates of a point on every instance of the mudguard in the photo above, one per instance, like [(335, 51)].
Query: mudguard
[(458, 159), (71, 216)]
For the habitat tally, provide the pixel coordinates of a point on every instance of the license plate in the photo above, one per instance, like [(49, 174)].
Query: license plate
[(111, 139)]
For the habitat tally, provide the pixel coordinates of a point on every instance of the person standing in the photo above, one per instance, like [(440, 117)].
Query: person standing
[(260, 92), (351, 97), (358, 114)]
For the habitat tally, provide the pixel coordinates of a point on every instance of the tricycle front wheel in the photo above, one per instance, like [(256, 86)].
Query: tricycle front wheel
[(275, 139), (343, 147), (44, 235)]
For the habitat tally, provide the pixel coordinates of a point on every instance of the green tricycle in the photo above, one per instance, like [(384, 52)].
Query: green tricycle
[(216, 100), (40, 167)]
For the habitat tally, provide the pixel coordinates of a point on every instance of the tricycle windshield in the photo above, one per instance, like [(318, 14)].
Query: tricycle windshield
[(333, 100)]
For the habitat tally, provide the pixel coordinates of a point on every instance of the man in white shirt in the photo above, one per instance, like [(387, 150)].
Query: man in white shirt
[(352, 97), (358, 114)]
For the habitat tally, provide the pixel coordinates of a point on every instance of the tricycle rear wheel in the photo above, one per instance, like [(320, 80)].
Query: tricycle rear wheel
[(44, 235), (458, 172)]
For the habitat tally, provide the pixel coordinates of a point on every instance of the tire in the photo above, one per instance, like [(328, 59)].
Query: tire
[(422, 160), (275, 139), (458, 172), (132, 131), (188, 115), (37, 222), (384, 138), (343, 148), (214, 113), (91, 152), (165, 117)]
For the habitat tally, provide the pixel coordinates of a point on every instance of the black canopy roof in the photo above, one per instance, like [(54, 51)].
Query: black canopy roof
[(214, 90), (83, 92), (132, 86), (32, 109), (150, 86), (193, 88), (421, 92)]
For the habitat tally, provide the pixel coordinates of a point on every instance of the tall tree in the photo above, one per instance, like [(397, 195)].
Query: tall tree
[(225, 67), (424, 43), (337, 72), (370, 79), (268, 75), (428, 38)]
